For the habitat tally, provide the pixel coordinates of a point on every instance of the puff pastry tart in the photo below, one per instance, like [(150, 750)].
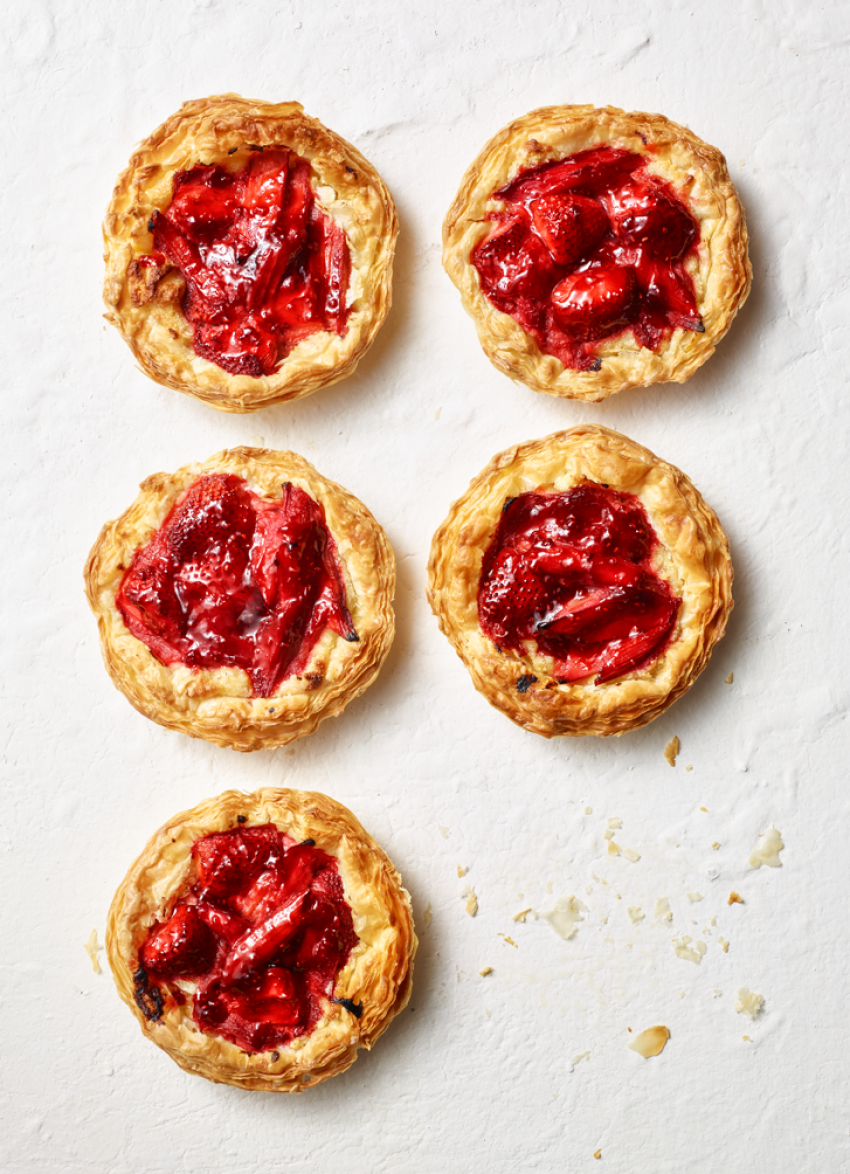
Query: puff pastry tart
[(582, 581), (243, 599), (262, 939), (597, 250), (248, 253)]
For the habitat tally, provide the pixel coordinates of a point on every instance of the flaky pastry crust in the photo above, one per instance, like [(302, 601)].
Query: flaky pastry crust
[(222, 130), (720, 270), (217, 704), (378, 974), (692, 556)]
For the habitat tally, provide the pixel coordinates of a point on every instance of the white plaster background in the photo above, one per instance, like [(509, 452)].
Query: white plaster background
[(477, 1074)]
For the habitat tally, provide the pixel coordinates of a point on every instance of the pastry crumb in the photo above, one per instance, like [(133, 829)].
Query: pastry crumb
[(487, 970), (717, 992), (578, 1059), (427, 916), (608, 835), (597, 1153), (749, 1003), (663, 912), (635, 913), (461, 871), (672, 749), (523, 913), (471, 903), (728, 680), (715, 846), (683, 949), (650, 1042), (705, 809), (747, 1038), (630, 855), (615, 822), (437, 413), (694, 897), (613, 849), (690, 766), (735, 899), (92, 948), (444, 832), (510, 941), (767, 850), (588, 811), (723, 944), (565, 916), (713, 919)]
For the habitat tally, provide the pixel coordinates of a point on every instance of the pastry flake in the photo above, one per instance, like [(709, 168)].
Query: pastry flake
[(237, 227), (538, 668), (301, 579), (597, 250), (296, 1021)]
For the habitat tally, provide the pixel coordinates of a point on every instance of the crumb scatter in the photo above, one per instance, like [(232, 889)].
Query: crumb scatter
[(650, 1042), (749, 1003), (92, 948), (671, 750), (767, 849), (735, 899)]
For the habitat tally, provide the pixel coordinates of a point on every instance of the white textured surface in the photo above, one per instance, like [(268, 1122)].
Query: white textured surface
[(478, 1074)]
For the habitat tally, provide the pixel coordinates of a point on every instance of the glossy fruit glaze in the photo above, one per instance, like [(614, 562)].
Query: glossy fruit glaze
[(587, 247), (572, 572), (264, 931), (231, 579), (264, 266)]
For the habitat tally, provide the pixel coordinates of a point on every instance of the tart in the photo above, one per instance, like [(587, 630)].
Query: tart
[(582, 581), (597, 250), (243, 599), (248, 253), (262, 939)]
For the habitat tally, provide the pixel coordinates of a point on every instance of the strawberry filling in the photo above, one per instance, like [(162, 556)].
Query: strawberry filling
[(572, 572), (263, 932), (264, 266), (586, 248), (233, 580)]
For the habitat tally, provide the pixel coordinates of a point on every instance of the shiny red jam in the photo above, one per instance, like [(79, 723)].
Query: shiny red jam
[(572, 574), (264, 266), (586, 248), (263, 931), (231, 579)]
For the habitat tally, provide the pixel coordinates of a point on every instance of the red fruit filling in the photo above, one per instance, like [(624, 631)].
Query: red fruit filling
[(587, 247), (264, 266), (230, 579), (573, 573), (264, 931)]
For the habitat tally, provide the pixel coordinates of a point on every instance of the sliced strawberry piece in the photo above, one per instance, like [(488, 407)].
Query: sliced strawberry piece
[(595, 299), (669, 292), (570, 226), (182, 946), (263, 940), (639, 650), (215, 512), (588, 171), (223, 924), (229, 862), (511, 595)]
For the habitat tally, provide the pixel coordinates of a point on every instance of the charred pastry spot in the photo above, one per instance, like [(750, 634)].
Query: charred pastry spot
[(233, 150), (642, 138), (508, 501), (241, 818), (351, 171), (352, 637), (309, 843), (604, 486), (254, 147), (275, 1056), (699, 328), (596, 365), (313, 680), (148, 996), (525, 682), (152, 222), (356, 1009)]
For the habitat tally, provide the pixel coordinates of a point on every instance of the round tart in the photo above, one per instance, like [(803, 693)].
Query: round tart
[(243, 599), (262, 939), (248, 253), (582, 581), (597, 250)]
